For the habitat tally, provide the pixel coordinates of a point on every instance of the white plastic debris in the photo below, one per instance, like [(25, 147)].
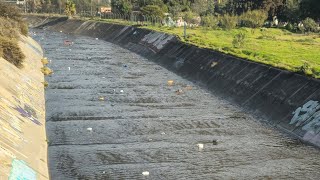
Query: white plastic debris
[(89, 129), (121, 91), (97, 38), (145, 173), (103, 172), (61, 31), (69, 68), (163, 133), (200, 146)]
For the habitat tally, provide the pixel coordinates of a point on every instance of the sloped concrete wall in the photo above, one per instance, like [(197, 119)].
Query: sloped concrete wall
[(23, 146), (288, 100)]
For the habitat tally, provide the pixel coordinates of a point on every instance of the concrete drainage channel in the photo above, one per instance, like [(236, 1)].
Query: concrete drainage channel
[(112, 115)]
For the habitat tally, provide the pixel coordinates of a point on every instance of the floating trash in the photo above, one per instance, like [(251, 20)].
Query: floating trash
[(145, 173), (61, 31), (97, 38), (163, 133), (101, 98), (170, 83), (215, 142), (188, 87), (179, 91), (89, 129), (69, 68), (67, 43), (121, 91), (200, 146), (213, 64)]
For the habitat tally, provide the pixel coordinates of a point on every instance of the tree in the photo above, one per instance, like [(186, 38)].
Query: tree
[(254, 19), (9, 11), (310, 25), (152, 10), (70, 8), (199, 6), (310, 8), (121, 6), (291, 10), (273, 7), (189, 17)]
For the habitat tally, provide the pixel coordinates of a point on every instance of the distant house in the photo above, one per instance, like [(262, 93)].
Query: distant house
[(104, 9)]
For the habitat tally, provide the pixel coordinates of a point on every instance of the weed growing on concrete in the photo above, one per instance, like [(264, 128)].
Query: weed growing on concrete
[(44, 61), (45, 84), (10, 51), (46, 71)]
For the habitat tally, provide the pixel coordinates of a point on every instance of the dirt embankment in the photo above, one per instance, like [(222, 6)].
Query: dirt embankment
[(23, 145)]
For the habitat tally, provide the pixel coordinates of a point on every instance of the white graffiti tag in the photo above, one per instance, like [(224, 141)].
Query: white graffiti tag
[(308, 116)]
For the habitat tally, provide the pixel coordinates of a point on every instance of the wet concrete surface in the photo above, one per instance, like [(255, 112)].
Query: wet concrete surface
[(111, 115)]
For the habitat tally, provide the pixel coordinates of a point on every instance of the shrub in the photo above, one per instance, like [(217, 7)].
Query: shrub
[(253, 19), (305, 69), (291, 27), (310, 25), (9, 11), (11, 52), (191, 18), (45, 84), (44, 61), (239, 40), (46, 71), (228, 22), (152, 10), (11, 22), (210, 21), (24, 28), (8, 28)]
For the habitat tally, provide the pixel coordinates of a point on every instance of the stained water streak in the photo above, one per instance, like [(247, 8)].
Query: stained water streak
[(112, 115)]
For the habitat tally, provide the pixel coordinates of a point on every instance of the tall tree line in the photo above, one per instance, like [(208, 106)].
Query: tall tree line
[(287, 10)]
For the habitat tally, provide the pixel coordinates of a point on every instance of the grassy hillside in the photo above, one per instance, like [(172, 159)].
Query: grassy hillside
[(275, 47), (272, 46)]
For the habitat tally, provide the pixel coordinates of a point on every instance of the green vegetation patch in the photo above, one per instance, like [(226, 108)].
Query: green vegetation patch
[(276, 47)]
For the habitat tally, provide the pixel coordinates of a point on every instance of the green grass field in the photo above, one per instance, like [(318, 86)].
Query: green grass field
[(275, 47)]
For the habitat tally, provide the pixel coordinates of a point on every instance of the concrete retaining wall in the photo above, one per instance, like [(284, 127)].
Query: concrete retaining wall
[(23, 145), (288, 100)]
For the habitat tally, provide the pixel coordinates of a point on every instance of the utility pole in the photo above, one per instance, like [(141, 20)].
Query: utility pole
[(91, 8), (185, 30)]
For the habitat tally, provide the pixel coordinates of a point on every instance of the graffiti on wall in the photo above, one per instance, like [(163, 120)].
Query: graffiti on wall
[(308, 117), (21, 171)]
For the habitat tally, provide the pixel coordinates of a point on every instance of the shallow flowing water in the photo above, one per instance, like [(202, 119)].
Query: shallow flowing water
[(111, 115)]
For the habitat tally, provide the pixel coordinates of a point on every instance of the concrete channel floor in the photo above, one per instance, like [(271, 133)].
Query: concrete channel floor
[(111, 115)]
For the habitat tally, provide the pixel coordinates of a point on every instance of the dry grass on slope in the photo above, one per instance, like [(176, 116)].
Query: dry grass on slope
[(11, 26)]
